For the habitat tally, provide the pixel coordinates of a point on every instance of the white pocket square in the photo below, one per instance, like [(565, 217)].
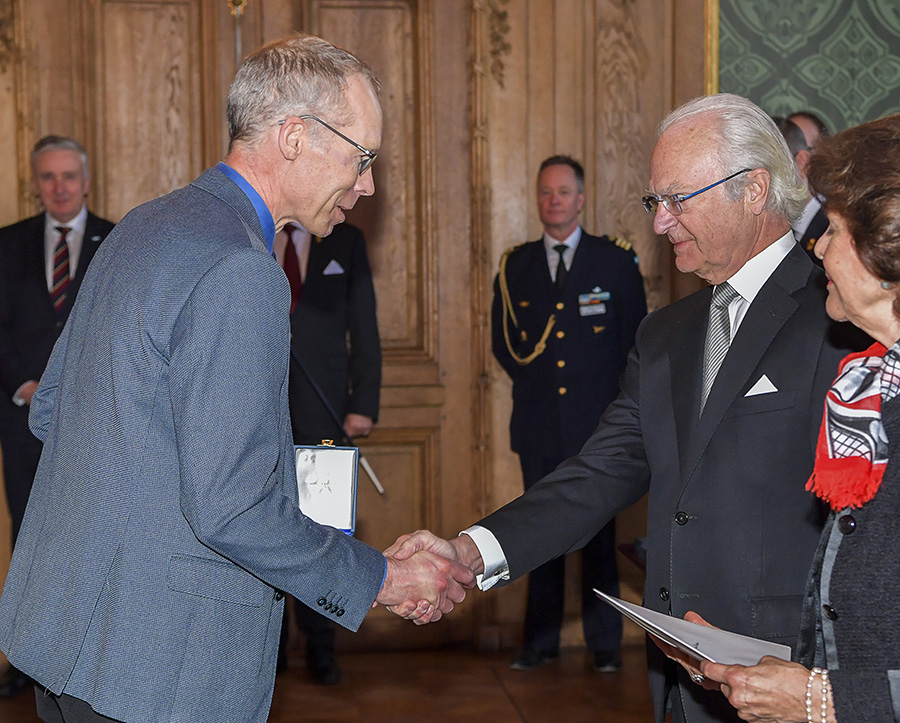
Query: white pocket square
[(333, 268), (763, 386)]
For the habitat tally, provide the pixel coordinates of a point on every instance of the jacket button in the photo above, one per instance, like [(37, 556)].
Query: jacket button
[(847, 524), (321, 601), (830, 612), (340, 612), (561, 363), (562, 390), (279, 595), (681, 518), (560, 305), (663, 594), (560, 334)]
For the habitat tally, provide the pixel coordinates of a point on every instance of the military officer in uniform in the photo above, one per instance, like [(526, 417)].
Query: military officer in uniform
[(566, 308)]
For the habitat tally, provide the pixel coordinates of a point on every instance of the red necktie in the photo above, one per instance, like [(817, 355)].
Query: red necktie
[(60, 271), (292, 267)]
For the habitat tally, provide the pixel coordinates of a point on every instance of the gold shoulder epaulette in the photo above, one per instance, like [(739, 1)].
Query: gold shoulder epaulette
[(511, 250), (621, 242)]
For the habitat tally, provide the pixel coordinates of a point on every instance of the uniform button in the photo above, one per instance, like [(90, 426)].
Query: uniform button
[(279, 595), (681, 518), (560, 334), (663, 594), (321, 601), (562, 390), (830, 612), (561, 363), (847, 524), (560, 305)]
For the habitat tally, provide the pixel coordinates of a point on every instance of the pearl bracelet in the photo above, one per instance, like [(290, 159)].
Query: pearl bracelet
[(826, 688)]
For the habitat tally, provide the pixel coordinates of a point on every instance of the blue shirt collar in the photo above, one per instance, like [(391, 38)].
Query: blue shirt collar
[(265, 216)]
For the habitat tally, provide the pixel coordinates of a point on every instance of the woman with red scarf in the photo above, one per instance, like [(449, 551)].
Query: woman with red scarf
[(848, 667)]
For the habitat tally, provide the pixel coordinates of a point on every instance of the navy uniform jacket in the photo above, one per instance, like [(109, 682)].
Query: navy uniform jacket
[(334, 331), (559, 396)]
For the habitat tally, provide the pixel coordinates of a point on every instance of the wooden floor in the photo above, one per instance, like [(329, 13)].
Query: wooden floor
[(449, 685)]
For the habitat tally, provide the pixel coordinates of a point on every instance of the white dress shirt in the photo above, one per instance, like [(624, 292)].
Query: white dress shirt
[(74, 240), (571, 241), (302, 240)]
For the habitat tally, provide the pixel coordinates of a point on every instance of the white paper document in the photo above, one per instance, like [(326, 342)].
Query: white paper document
[(700, 641)]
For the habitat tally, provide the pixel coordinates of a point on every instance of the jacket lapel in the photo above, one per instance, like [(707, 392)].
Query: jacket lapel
[(89, 245), (686, 368), (768, 313)]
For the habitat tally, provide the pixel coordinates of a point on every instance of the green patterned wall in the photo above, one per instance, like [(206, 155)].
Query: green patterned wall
[(837, 58)]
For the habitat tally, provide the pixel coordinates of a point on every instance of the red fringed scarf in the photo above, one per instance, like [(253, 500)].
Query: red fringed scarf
[(852, 451)]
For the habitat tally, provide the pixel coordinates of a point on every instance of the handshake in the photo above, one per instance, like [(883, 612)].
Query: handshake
[(427, 575)]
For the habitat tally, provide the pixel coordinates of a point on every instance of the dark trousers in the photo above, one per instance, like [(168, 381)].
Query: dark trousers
[(21, 454), (546, 584), (318, 630), (65, 709)]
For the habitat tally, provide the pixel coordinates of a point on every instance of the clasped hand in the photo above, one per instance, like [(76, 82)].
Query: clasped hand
[(426, 576), (774, 691)]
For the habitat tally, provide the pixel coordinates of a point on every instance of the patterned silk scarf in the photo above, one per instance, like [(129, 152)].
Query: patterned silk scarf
[(852, 451)]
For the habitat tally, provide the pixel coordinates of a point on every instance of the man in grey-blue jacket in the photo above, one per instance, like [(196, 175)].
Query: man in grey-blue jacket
[(163, 523)]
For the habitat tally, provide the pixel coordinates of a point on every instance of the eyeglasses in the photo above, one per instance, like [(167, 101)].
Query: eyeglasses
[(673, 202), (364, 163)]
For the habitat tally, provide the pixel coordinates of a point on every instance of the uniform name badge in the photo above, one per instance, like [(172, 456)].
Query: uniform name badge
[(326, 484), (593, 303)]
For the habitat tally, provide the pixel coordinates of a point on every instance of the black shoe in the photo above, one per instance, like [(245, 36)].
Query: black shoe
[(528, 659), (324, 670), (606, 661), (13, 682)]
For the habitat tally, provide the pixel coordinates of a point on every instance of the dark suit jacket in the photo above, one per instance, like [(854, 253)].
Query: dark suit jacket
[(597, 316), (731, 529), (334, 330), (28, 324), (817, 226)]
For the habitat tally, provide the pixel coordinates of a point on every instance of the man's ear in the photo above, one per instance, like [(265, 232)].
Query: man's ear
[(292, 136), (757, 190), (802, 161)]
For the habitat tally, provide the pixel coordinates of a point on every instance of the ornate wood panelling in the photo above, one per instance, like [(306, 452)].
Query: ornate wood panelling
[(149, 105), (382, 33)]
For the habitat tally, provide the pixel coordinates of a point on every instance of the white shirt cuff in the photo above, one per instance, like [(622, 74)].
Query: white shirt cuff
[(496, 567), (17, 397)]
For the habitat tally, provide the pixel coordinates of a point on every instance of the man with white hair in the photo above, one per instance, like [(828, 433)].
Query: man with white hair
[(718, 414), (163, 523)]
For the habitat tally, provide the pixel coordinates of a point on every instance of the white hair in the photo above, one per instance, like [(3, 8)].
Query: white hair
[(748, 138)]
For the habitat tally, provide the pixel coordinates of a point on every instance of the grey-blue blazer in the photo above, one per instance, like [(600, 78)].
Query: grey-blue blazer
[(163, 518)]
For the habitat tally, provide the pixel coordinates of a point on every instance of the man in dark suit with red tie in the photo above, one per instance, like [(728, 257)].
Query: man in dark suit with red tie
[(42, 263), (334, 333)]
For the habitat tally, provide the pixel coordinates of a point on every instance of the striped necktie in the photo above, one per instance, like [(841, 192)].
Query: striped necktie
[(718, 336), (61, 278)]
